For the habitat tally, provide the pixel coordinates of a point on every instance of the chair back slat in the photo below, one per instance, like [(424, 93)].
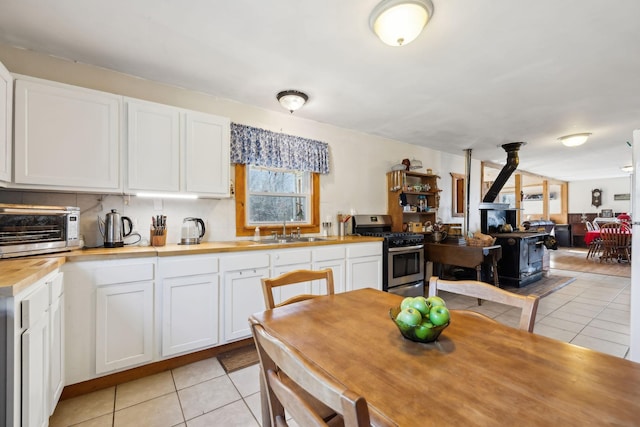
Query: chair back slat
[(295, 277), (473, 288)]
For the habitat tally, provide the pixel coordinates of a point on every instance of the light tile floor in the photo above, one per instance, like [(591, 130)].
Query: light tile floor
[(592, 312)]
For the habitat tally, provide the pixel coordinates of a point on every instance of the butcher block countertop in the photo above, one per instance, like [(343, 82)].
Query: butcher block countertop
[(19, 273)]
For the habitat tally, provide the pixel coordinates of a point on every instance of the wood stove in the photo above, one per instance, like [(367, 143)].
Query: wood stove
[(522, 252)]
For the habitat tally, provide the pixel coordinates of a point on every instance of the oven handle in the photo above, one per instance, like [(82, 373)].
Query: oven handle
[(406, 248)]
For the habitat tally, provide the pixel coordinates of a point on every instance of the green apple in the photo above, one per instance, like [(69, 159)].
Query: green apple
[(409, 317), (420, 304), (439, 315), (424, 331), (406, 303), (435, 300)]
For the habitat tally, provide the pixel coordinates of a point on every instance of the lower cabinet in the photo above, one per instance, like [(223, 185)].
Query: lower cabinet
[(31, 350), (364, 266), (124, 325), (332, 257), (287, 260), (35, 359), (190, 303), (242, 292)]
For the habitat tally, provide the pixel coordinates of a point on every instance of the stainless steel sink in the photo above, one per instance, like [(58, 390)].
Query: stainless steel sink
[(290, 240)]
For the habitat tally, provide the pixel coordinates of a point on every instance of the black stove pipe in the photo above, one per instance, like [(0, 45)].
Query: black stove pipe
[(502, 178)]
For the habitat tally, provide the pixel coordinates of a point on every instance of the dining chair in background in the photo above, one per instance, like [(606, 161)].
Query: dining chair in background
[(616, 242), (473, 288), (292, 278), (276, 359)]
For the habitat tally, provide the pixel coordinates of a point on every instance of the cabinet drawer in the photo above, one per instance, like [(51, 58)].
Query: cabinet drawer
[(242, 262), (187, 266), (329, 253), (34, 306), (290, 257), (370, 249), (124, 273)]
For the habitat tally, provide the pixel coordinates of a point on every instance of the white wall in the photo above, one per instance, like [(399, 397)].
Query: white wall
[(359, 162), (580, 195)]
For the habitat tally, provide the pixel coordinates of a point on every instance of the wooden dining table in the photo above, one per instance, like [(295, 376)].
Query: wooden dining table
[(479, 372)]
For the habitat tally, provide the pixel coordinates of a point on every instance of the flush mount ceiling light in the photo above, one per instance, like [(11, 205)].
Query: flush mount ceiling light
[(292, 100), (399, 22), (628, 168), (575, 139)]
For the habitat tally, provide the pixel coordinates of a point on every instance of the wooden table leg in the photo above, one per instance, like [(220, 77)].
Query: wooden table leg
[(494, 265)]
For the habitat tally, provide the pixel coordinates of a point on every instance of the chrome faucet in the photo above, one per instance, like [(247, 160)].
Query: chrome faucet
[(284, 229)]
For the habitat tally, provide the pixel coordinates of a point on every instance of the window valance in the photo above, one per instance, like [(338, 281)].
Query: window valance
[(260, 147)]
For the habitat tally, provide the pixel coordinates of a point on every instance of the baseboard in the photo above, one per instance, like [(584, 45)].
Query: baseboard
[(111, 380)]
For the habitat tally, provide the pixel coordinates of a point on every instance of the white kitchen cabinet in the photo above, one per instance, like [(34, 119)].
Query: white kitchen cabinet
[(206, 152), (124, 325), (284, 261), (35, 358), (364, 266), (56, 345), (242, 291), (332, 257), (170, 149), (30, 336), (190, 303), (66, 137), (6, 124), (153, 147)]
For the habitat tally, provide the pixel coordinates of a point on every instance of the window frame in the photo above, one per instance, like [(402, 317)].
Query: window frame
[(242, 229)]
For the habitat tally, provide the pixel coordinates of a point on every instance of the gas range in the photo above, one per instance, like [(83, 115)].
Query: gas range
[(397, 239)]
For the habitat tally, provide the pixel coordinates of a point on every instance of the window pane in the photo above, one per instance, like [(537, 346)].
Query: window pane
[(275, 209), (277, 195)]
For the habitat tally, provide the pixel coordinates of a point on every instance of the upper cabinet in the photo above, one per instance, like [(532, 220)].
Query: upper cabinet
[(66, 137), (6, 110), (175, 150), (153, 147), (413, 197)]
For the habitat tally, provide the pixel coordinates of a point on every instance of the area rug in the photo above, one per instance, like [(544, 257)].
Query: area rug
[(239, 358), (544, 286)]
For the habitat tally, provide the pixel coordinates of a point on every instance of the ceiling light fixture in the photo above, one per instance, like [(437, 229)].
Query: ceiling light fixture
[(575, 139), (399, 22), (628, 168), (292, 100)]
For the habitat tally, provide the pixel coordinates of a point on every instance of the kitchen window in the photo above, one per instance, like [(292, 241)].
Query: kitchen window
[(266, 197)]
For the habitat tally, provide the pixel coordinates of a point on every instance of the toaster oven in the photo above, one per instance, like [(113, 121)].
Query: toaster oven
[(32, 229)]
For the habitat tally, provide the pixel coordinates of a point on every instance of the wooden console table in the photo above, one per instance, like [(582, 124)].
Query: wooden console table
[(465, 256)]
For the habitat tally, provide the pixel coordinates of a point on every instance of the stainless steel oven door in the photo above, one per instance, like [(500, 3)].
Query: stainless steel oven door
[(405, 265)]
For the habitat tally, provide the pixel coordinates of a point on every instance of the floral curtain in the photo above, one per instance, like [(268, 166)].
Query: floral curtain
[(260, 147)]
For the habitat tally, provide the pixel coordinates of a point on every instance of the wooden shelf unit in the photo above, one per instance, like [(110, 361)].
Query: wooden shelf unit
[(406, 180)]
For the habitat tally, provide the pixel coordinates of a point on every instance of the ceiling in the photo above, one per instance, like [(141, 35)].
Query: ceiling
[(483, 73)]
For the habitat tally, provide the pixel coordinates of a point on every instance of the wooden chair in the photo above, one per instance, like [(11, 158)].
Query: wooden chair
[(276, 359), (616, 242), (595, 248), (528, 304), (294, 277)]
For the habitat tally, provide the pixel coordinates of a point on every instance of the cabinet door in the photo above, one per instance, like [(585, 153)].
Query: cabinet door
[(124, 325), (56, 346), (35, 373), (365, 272), (207, 154), (338, 267), (153, 147), (242, 297), (6, 123), (189, 313), (66, 137), (285, 292)]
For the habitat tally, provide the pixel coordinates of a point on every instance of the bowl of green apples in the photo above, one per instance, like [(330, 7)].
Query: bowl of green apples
[(421, 319)]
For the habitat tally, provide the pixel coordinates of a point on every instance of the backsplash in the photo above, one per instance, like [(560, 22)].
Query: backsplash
[(219, 215)]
